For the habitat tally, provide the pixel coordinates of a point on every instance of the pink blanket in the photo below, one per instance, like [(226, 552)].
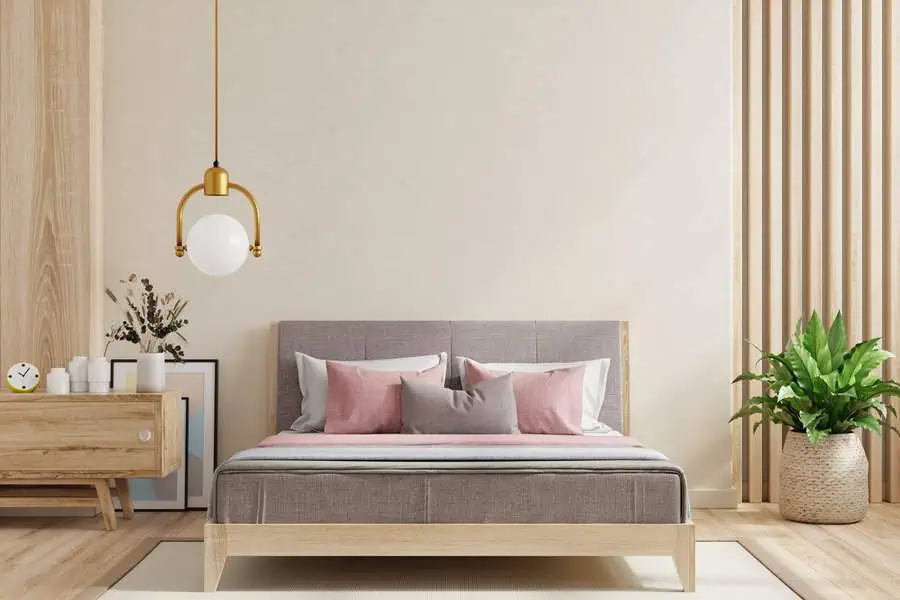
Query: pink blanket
[(401, 439)]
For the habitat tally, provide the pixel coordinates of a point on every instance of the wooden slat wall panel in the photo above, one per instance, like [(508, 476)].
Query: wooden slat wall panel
[(793, 308), (832, 157), (872, 206), (773, 275), (738, 345), (50, 146), (754, 225), (890, 234), (811, 125), (819, 223)]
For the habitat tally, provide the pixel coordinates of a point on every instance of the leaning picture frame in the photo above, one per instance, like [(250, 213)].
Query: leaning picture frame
[(197, 380)]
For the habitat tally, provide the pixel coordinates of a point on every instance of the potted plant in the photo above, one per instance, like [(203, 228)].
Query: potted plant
[(150, 321), (823, 390)]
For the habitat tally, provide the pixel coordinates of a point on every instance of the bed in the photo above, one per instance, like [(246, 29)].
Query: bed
[(419, 495)]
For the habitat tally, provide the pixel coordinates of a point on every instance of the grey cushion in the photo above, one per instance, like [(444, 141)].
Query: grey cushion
[(490, 407)]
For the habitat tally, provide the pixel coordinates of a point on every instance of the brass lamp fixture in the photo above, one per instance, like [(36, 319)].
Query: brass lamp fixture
[(217, 244)]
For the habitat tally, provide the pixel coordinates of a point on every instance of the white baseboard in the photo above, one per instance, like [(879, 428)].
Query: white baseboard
[(727, 498)]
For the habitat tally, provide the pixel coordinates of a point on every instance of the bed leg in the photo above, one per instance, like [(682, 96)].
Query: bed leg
[(684, 557), (215, 552)]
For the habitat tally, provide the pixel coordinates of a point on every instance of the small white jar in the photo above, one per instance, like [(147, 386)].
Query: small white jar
[(98, 375), (57, 381), (78, 374)]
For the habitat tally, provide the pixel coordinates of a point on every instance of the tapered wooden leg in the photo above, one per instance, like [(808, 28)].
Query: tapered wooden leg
[(107, 510), (215, 550), (124, 495), (684, 557)]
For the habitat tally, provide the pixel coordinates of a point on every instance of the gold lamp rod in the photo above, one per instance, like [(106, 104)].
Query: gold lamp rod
[(215, 179), (215, 83)]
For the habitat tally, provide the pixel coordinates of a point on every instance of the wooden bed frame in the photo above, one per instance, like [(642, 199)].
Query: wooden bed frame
[(453, 539), (345, 539)]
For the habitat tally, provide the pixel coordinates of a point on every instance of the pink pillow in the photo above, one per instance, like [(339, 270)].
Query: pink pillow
[(365, 401), (548, 402)]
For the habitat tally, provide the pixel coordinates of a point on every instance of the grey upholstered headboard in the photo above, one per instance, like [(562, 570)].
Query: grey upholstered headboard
[(486, 341)]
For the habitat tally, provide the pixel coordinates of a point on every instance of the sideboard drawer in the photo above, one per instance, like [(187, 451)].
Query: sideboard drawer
[(80, 437)]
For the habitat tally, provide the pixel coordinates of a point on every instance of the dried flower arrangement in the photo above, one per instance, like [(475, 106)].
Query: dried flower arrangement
[(150, 319)]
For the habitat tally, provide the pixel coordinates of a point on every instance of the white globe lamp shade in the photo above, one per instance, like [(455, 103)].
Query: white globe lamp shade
[(218, 245)]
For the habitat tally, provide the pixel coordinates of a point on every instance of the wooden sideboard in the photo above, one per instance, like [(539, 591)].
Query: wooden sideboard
[(62, 450)]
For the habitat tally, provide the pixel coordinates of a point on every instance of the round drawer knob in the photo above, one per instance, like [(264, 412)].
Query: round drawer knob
[(145, 435)]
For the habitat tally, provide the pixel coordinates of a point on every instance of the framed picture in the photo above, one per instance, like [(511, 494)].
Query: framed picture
[(198, 381), (167, 493)]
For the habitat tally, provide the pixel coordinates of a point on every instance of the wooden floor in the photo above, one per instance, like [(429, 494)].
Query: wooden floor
[(58, 559)]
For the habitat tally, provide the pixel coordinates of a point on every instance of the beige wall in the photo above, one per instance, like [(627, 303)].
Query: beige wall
[(438, 159)]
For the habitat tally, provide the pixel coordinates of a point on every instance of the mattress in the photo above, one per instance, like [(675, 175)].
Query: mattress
[(384, 478)]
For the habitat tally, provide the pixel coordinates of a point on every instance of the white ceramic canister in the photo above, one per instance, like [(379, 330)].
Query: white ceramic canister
[(57, 381), (78, 374), (98, 375)]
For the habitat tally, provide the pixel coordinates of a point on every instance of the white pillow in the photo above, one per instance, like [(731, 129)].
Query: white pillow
[(313, 377), (593, 392)]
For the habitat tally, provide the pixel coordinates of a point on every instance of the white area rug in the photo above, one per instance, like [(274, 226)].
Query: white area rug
[(725, 570)]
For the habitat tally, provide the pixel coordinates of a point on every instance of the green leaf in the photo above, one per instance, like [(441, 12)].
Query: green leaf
[(756, 405), (837, 341), (798, 402), (746, 411), (854, 360), (816, 435), (880, 388), (815, 340), (869, 362), (831, 381), (843, 427), (748, 376), (779, 368), (785, 392), (804, 366), (869, 422), (809, 420)]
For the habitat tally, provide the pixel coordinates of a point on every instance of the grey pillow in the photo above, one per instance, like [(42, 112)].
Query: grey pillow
[(490, 407)]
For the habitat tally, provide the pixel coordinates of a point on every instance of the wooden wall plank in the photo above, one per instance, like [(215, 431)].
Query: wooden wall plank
[(753, 223), (773, 223), (49, 190), (19, 118), (891, 233), (853, 152), (811, 34), (832, 156), (872, 207), (793, 310), (737, 340), (96, 285), (744, 203)]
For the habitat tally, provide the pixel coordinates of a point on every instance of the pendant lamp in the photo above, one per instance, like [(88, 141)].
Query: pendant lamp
[(217, 244)]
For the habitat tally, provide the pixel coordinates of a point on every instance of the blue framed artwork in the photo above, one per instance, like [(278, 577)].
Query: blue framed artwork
[(198, 381)]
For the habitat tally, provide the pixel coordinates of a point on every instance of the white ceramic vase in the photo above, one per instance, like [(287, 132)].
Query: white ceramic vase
[(98, 375), (57, 381), (78, 374), (151, 372)]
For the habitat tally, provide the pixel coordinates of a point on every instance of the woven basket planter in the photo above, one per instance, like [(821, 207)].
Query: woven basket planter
[(825, 483)]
